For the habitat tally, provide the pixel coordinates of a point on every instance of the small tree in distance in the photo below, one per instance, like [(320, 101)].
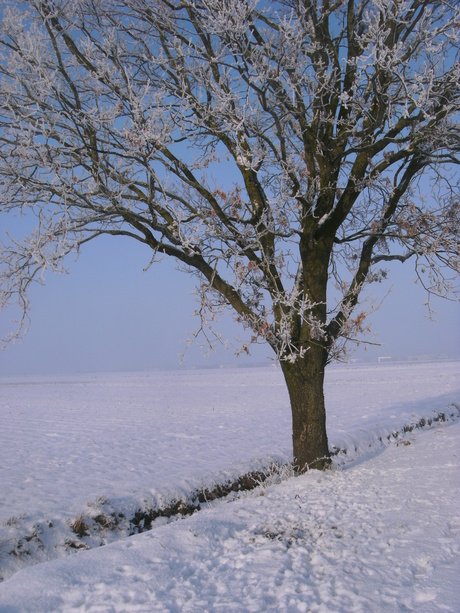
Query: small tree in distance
[(282, 151)]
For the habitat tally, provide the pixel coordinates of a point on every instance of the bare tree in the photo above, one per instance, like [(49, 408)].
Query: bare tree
[(281, 151)]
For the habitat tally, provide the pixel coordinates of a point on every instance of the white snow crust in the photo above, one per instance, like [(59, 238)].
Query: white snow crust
[(378, 532)]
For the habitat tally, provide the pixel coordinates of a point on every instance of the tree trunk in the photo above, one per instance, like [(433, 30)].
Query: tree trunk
[(305, 383)]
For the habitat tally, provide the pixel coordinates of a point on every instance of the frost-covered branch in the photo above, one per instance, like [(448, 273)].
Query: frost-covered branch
[(265, 147)]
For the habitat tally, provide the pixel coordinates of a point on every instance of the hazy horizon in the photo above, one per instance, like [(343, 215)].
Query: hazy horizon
[(107, 315)]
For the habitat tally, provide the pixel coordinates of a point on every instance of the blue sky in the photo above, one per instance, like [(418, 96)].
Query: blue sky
[(107, 315)]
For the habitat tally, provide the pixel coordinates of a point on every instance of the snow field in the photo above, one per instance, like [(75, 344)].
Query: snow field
[(380, 529), (382, 535)]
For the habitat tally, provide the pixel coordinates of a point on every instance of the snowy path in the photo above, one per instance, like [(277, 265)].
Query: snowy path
[(382, 535)]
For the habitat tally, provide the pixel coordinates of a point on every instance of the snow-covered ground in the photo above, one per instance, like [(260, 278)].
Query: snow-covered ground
[(80, 455)]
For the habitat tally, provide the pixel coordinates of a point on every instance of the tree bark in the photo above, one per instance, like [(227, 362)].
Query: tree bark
[(305, 383)]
